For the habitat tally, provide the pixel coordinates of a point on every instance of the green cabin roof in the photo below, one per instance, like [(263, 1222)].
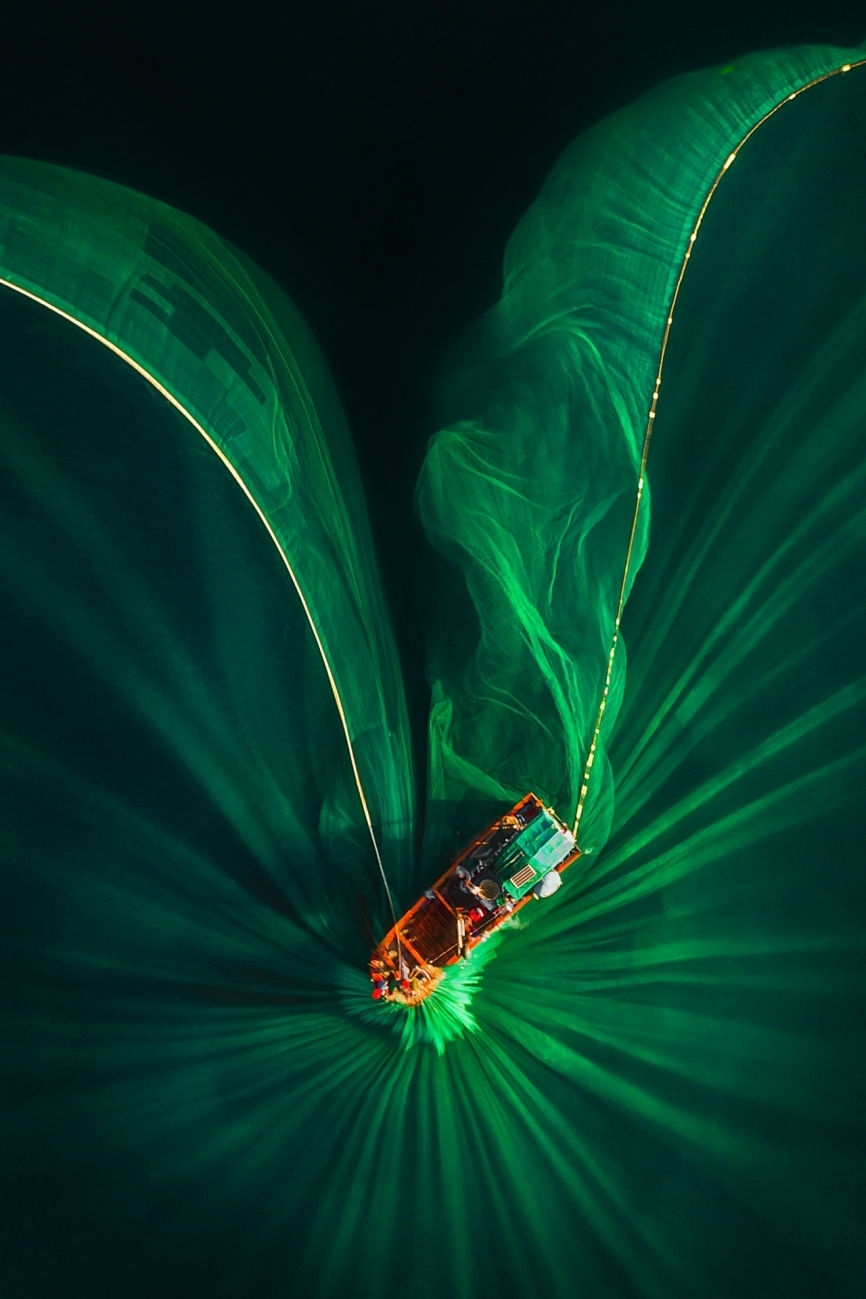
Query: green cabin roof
[(539, 848)]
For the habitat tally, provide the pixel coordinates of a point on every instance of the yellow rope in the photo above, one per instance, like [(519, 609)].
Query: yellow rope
[(160, 388), (651, 414)]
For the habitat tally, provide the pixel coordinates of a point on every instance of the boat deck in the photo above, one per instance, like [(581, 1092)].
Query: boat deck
[(432, 931)]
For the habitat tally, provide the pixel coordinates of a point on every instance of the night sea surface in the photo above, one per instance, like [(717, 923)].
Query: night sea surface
[(653, 1087)]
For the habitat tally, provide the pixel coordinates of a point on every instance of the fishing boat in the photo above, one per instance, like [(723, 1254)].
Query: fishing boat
[(518, 858)]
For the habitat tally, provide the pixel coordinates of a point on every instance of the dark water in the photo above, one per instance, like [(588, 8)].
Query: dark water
[(668, 1101)]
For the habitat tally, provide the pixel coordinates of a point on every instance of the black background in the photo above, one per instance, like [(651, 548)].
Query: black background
[(374, 157)]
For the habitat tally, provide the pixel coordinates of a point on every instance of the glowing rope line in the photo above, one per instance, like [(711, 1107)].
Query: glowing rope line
[(160, 388), (825, 76)]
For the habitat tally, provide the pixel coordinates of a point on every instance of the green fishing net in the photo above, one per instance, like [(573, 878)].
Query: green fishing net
[(653, 1085)]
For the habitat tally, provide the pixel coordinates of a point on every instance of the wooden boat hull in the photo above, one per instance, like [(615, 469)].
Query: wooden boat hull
[(511, 863)]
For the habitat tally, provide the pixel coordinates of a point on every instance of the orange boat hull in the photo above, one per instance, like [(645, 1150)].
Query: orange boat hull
[(487, 883)]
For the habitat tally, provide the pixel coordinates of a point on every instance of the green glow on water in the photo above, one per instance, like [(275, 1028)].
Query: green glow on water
[(655, 1088), (441, 1018)]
